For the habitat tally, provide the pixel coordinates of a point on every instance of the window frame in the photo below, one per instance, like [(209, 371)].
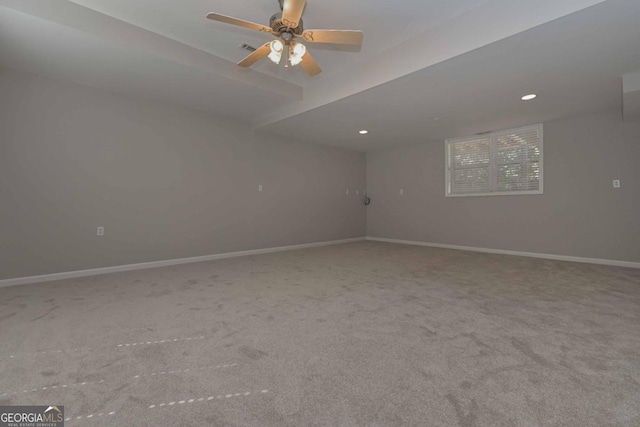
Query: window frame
[(493, 163)]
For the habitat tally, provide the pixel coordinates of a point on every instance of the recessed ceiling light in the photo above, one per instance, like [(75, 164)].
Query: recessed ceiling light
[(529, 97), (363, 132)]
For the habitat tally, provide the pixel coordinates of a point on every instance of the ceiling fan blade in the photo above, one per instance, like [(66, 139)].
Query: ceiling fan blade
[(239, 22), (259, 53), (292, 12), (310, 65), (351, 37)]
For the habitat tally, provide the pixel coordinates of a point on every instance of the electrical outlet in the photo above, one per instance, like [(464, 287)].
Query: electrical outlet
[(100, 231), (401, 191), (616, 183), (259, 187), (346, 192)]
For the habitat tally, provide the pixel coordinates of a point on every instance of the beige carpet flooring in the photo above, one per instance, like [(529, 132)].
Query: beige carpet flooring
[(363, 334)]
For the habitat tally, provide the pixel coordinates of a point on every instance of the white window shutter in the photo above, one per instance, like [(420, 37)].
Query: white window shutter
[(506, 162), (470, 166), (517, 159)]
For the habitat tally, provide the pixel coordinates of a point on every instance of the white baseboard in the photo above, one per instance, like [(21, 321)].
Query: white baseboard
[(616, 263), (165, 263)]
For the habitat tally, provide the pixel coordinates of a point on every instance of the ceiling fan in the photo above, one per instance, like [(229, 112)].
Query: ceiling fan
[(287, 26)]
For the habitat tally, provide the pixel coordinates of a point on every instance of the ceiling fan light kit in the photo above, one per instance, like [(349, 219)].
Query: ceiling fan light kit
[(296, 53), (286, 27), (276, 48)]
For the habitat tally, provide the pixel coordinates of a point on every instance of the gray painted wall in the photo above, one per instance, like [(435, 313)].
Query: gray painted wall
[(165, 182), (579, 214), (168, 183)]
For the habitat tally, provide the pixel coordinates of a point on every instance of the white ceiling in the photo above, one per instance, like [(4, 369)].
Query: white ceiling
[(385, 23), (573, 64), (465, 61), (30, 43)]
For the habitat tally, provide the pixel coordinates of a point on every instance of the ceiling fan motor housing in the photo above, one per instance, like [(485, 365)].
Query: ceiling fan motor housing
[(276, 24)]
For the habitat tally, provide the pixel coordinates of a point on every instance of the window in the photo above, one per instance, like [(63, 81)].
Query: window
[(498, 163)]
